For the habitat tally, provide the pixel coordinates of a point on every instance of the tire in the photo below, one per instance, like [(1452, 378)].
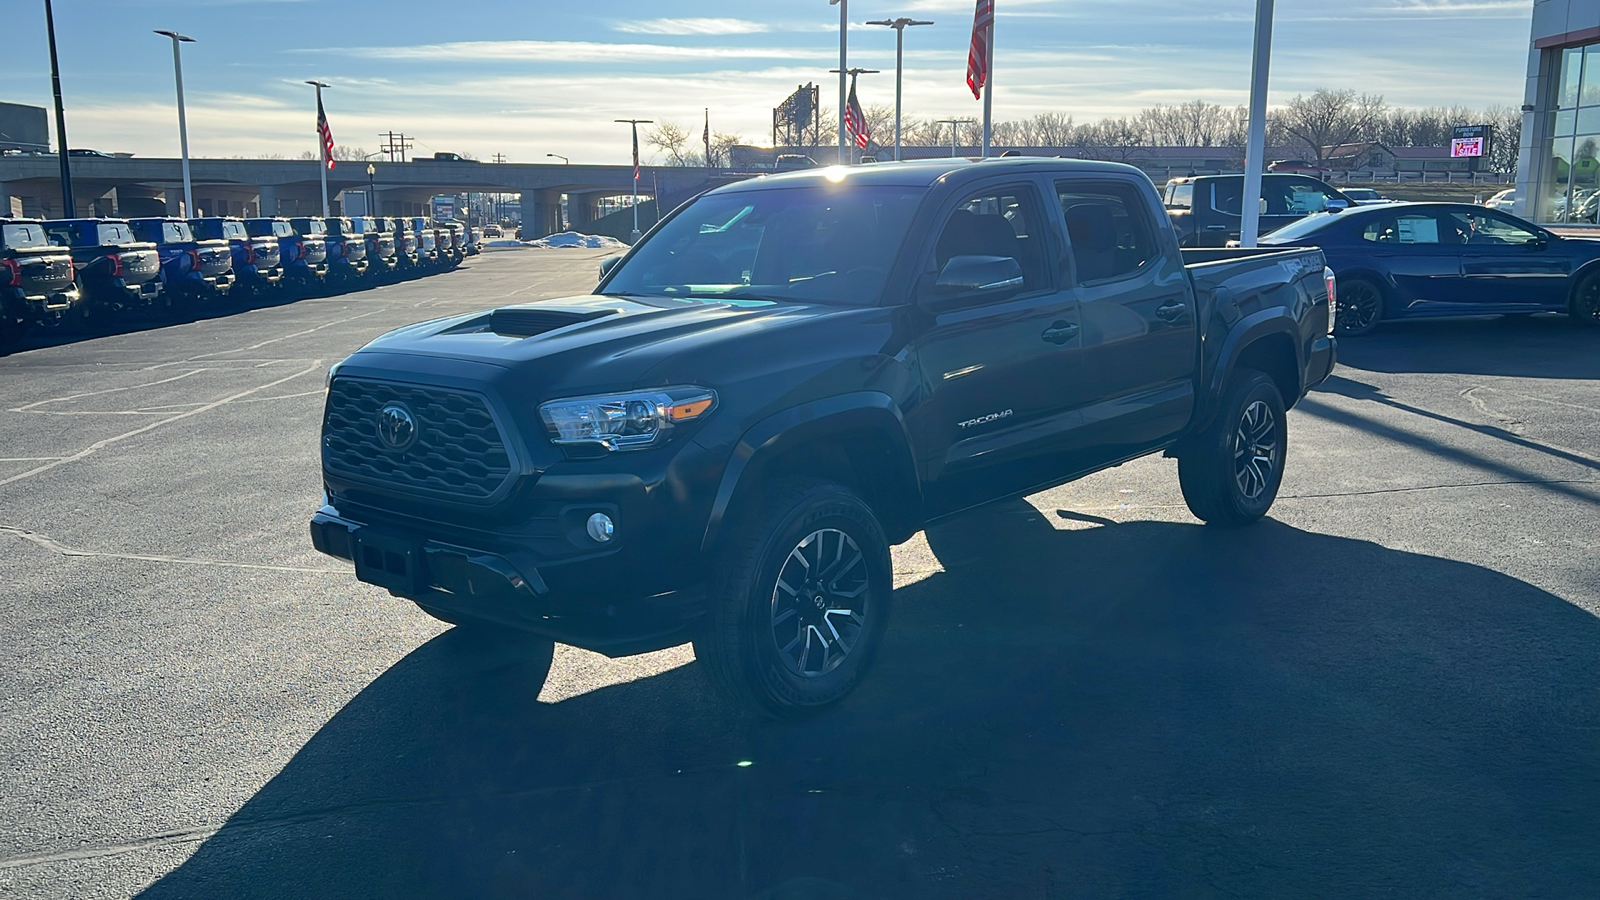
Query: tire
[(1220, 487), (772, 639), (1360, 306), (1585, 305)]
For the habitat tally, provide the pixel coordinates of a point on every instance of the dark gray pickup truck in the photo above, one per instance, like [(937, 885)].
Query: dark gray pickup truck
[(786, 377)]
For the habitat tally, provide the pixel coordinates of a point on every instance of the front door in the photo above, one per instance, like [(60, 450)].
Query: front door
[(1422, 248), (1509, 264), (993, 374)]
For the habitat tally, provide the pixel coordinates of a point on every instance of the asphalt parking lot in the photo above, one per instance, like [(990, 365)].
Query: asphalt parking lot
[(1388, 689)]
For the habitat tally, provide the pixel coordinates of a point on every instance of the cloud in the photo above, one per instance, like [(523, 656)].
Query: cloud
[(542, 52), (691, 26)]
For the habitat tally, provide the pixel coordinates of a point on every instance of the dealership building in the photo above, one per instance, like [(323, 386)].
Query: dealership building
[(1558, 164)]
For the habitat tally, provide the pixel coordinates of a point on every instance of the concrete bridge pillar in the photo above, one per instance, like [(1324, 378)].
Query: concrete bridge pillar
[(582, 210), (541, 213), (10, 204), (175, 204), (269, 200)]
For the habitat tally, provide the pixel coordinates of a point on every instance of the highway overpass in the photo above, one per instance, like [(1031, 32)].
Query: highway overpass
[(30, 186)]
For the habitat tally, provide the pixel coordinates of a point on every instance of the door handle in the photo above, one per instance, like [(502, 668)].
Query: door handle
[(1172, 311), (1060, 332), (1216, 228)]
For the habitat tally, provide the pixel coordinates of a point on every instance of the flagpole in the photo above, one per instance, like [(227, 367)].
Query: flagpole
[(844, 31), (323, 153), (707, 135), (988, 87), (635, 123)]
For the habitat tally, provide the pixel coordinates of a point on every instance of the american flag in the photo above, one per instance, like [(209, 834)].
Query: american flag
[(324, 132), (978, 53), (855, 121)]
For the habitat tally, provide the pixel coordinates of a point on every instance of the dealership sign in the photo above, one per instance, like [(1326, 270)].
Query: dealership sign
[(1469, 141)]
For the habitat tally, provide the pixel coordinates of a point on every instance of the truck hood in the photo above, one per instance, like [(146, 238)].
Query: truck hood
[(594, 343)]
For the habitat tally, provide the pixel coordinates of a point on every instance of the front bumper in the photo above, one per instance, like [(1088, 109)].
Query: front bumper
[(509, 587)]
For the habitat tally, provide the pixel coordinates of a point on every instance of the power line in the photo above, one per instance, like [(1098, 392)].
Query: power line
[(395, 144)]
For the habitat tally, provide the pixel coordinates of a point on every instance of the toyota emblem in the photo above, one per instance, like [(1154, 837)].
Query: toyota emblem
[(396, 426)]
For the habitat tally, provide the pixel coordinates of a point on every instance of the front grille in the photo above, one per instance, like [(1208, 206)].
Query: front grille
[(458, 451)]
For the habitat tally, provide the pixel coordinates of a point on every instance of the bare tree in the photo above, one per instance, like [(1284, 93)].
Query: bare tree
[(344, 152), (671, 139), (1327, 119)]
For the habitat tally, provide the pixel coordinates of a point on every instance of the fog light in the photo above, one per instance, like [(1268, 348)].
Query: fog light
[(600, 527)]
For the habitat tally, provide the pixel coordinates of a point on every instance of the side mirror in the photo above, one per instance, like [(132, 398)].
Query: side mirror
[(609, 263), (966, 280), (1334, 205)]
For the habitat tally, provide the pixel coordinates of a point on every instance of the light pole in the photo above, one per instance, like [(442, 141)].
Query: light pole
[(635, 123), (1256, 139), (61, 116), (372, 190), (183, 126), (562, 158), (853, 73), (953, 123), (322, 164), (844, 43), (899, 25)]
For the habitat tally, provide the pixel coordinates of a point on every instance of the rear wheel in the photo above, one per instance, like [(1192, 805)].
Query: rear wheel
[(1360, 306), (800, 601), (1585, 306), (1231, 473)]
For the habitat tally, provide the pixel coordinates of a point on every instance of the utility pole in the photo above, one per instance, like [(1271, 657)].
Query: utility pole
[(183, 126), (899, 25), (499, 157), (395, 144), (953, 123), (69, 210), (635, 123)]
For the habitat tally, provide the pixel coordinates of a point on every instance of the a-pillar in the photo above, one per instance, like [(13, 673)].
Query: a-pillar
[(269, 200)]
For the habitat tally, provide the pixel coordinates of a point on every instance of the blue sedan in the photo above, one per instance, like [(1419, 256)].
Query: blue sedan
[(1406, 260)]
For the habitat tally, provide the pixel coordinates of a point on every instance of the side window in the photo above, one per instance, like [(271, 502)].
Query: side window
[(1180, 196), (1110, 234), (1227, 196), (1484, 228), (998, 223), (1295, 197)]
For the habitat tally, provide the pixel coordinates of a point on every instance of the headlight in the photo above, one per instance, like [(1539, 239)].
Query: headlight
[(327, 383), (628, 421)]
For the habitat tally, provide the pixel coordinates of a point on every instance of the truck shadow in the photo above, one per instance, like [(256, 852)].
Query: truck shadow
[(1112, 709), (1540, 346)]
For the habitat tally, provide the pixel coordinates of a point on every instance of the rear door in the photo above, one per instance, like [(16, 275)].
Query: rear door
[(1508, 263), (994, 373), (1133, 380)]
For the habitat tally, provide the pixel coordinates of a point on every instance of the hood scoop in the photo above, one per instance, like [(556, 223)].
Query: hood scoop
[(528, 321)]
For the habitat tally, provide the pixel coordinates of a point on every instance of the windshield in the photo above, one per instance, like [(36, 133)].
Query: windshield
[(19, 237), (1299, 228), (830, 244)]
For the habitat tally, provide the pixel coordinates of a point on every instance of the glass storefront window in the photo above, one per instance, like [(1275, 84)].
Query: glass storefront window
[(1572, 175)]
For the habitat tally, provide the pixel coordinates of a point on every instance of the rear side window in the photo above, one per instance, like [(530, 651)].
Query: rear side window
[(282, 229), (176, 232), (20, 237), (1227, 196), (233, 231), (1110, 234), (1180, 196), (1414, 228)]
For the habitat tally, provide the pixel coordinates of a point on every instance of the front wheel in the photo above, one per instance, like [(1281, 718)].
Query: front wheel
[(1231, 473), (800, 602), (1585, 306)]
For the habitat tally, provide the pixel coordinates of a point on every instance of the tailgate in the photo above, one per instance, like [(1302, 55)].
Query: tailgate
[(139, 264), (44, 271), (216, 258), (267, 254)]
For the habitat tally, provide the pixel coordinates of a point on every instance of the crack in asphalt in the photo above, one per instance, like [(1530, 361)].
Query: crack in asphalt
[(53, 546)]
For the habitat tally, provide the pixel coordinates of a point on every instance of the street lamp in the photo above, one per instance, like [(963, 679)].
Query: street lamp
[(372, 190), (1256, 138), (635, 123), (844, 41), (953, 123), (322, 165), (560, 157), (61, 116), (183, 127), (899, 25)]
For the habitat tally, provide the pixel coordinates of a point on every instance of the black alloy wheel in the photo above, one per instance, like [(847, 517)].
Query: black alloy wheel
[(1257, 454), (1231, 471), (819, 603), (1360, 307), (1585, 306)]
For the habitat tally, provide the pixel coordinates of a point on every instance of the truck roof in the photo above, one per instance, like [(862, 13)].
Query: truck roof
[(927, 172)]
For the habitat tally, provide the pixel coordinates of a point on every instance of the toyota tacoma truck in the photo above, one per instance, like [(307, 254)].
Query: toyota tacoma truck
[(788, 376)]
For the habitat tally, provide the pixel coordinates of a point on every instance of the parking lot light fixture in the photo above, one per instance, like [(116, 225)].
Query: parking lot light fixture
[(183, 126), (372, 190), (560, 157), (68, 209), (899, 25), (844, 66)]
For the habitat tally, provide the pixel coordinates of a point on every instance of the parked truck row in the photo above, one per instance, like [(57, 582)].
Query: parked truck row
[(64, 273)]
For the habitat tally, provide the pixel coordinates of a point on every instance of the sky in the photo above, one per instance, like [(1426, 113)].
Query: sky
[(529, 77)]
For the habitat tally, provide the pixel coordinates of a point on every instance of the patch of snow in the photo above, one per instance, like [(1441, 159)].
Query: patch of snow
[(582, 241)]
